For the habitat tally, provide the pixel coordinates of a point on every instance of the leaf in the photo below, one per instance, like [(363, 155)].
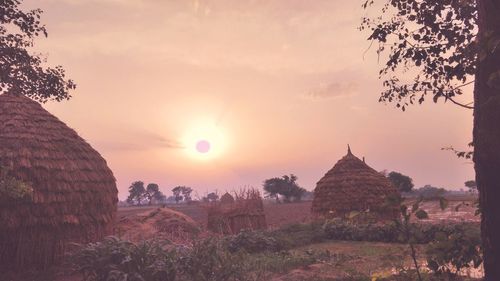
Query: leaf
[(421, 214)]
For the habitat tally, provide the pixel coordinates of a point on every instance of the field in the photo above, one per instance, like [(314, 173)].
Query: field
[(305, 258), (278, 215)]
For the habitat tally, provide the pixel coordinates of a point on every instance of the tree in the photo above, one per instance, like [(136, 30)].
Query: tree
[(402, 182), (471, 185), (451, 44), (186, 192), (136, 192), (22, 72), (177, 191), (153, 192), (212, 197), (182, 192), (285, 186)]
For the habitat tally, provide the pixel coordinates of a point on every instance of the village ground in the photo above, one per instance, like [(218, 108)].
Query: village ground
[(278, 215), (346, 258)]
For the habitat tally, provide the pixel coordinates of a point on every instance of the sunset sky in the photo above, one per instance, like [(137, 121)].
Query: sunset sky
[(276, 87)]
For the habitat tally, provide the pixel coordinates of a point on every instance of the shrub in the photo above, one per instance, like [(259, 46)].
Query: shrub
[(452, 252), (117, 260), (424, 233), (252, 242), (209, 260)]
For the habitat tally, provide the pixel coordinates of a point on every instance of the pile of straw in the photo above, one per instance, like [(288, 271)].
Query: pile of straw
[(74, 192), (245, 211), (351, 185)]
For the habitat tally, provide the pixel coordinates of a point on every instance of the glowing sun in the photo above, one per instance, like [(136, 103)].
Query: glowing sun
[(204, 141), (203, 146)]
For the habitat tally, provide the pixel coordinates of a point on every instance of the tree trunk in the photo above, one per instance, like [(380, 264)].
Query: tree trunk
[(487, 137)]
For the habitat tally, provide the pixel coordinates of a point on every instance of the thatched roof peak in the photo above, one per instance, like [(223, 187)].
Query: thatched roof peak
[(352, 185)]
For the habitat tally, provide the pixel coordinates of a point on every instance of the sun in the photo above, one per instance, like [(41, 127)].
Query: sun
[(204, 140)]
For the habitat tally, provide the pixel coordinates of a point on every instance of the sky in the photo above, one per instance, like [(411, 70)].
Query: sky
[(275, 87)]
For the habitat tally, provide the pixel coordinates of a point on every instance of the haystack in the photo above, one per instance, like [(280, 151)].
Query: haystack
[(161, 223), (246, 211), (352, 185), (73, 192), (226, 198)]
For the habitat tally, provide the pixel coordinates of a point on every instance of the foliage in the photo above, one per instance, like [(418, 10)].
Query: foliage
[(252, 242), (402, 182), (337, 229), (449, 253), (472, 185), (429, 192), (211, 197), (22, 71), (117, 260), (136, 192), (435, 39), (13, 189), (182, 193), (209, 260), (285, 186), (153, 193)]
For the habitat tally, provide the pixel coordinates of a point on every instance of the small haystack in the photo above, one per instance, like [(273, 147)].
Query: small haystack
[(352, 185), (72, 192), (246, 211), (227, 198), (161, 223)]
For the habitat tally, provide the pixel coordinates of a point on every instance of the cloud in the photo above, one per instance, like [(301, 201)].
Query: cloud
[(138, 140), (333, 90)]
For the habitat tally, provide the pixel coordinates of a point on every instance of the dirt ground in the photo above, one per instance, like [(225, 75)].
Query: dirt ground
[(278, 215)]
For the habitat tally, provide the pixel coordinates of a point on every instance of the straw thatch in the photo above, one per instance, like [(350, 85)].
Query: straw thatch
[(351, 185), (226, 198), (161, 223), (74, 192), (246, 211)]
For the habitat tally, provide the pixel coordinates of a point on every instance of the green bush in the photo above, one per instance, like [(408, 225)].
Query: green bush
[(209, 260), (452, 252), (301, 234), (423, 233), (252, 242), (117, 260)]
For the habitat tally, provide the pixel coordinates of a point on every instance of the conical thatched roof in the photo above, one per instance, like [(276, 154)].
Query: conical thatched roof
[(227, 198), (352, 185), (74, 192)]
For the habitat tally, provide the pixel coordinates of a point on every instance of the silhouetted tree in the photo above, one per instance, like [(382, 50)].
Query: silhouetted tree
[(177, 191), (285, 186), (212, 197), (448, 45), (471, 185), (136, 192), (402, 182), (153, 192), (182, 192), (23, 72)]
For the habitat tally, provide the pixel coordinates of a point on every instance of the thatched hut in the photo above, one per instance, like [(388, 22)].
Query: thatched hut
[(352, 185), (246, 211), (226, 198), (72, 193)]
